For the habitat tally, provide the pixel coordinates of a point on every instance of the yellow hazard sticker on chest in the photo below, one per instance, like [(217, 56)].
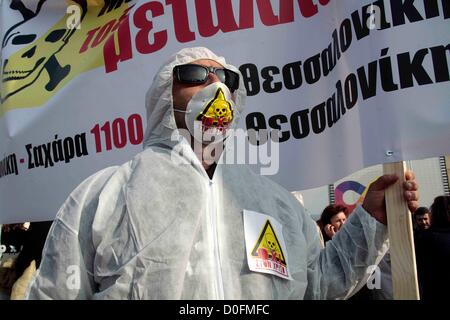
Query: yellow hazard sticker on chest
[(265, 245)]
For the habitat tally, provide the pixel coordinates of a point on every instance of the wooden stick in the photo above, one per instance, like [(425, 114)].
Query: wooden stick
[(403, 257)]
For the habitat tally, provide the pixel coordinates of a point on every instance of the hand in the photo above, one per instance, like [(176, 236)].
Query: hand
[(330, 230), (374, 202)]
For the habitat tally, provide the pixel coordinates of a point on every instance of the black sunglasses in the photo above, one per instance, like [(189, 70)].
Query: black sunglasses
[(197, 74)]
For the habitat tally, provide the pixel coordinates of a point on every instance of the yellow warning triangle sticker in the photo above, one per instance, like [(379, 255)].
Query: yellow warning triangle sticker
[(217, 107), (267, 246)]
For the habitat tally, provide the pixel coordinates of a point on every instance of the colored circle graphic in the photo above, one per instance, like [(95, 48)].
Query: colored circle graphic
[(345, 186)]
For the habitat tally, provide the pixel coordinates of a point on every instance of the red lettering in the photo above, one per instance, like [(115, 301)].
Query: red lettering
[(246, 14), (90, 35), (308, 8), (268, 18), (122, 17), (103, 33), (142, 37), (112, 58), (181, 21), (266, 12), (225, 17), (118, 46), (286, 11)]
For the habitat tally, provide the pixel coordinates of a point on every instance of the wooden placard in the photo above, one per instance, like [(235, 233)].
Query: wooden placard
[(403, 259)]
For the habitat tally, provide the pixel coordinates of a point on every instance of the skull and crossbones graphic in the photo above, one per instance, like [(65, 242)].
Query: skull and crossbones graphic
[(31, 46)]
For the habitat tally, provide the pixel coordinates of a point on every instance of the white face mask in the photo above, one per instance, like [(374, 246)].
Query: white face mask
[(209, 114)]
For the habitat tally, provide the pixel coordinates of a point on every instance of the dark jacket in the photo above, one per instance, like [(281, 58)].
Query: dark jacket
[(433, 263)]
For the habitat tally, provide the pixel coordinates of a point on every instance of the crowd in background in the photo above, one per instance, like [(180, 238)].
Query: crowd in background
[(22, 245), (432, 249)]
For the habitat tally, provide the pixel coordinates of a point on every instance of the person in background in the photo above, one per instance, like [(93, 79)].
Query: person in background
[(422, 218), (331, 220), (12, 240), (13, 236), (26, 261), (433, 253), (29, 257)]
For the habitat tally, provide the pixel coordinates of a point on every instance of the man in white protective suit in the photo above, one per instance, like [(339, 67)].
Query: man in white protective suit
[(169, 224)]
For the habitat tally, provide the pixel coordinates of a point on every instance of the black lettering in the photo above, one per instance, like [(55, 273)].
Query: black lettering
[(300, 124), (292, 75), (2, 168), (269, 85), (318, 118), (47, 154), (37, 153), (446, 8), (384, 24), (340, 99), (14, 163), (12, 168), (327, 60), (69, 149), (360, 22), (332, 112), (351, 90), (255, 122), (412, 69), (251, 78), (404, 9), (275, 123), (345, 35), (336, 51), (80, 145), (7, 166), (30, 156), (57, 150), (431, 8), (387, 81), (440, 63), (368, 82), (311, 69)]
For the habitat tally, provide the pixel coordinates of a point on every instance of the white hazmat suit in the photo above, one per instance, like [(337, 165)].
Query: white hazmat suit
[(157, 229)]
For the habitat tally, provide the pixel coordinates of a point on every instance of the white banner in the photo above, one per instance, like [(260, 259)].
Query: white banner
[(348, 83)]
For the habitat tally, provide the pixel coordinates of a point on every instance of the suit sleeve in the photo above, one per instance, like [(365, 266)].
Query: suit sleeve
[(341, 268), (66, 269)]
